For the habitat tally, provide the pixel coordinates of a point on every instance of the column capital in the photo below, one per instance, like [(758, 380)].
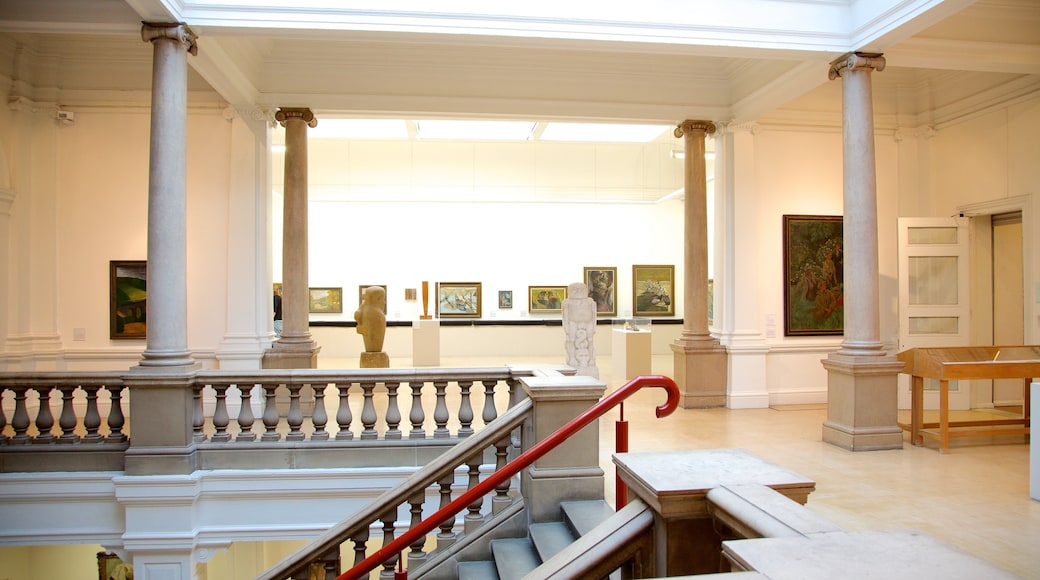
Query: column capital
[(856, 60), (690, 126), (304, 114), (151, 31)]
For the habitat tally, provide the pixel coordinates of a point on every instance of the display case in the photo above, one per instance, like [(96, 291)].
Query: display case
[(966, 362), (635, 324)]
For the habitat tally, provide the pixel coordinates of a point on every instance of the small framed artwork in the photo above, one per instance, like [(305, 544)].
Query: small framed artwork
[(326, 300), (546, 299), (505, 298), (458, 299), (601, 282), (110, 567), (814, 285), (127, 299), (410, 294), (653, 290), (361, 294)]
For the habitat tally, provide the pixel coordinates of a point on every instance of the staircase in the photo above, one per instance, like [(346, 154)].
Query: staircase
[(514, 558)]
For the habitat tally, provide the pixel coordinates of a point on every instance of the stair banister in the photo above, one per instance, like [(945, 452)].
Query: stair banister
[(524, 460)]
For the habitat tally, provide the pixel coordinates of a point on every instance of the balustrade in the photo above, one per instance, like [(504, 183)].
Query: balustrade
[(85, 412)]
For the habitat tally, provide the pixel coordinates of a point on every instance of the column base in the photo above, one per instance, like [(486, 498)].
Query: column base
[(862, 406), (375, 360), (281, 357), (701, 373)]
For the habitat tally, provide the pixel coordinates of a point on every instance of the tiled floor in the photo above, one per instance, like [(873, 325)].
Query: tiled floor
[(976, 497)]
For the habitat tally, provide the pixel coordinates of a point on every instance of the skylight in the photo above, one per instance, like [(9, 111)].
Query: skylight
[(360, 129), (475, 130), (602, 132)]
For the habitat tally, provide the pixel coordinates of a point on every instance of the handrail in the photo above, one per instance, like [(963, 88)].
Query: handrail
[(524, 460)]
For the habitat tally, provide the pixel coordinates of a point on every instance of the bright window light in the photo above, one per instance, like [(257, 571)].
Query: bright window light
[(475, 130), (602, 132), (359, 129)]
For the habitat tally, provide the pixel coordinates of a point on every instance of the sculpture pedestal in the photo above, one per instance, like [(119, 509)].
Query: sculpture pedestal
[(375, 360), (630, 354), (426, 343)]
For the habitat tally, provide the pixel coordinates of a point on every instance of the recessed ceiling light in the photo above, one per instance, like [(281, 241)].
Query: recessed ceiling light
[(602, 132), (475, 130)]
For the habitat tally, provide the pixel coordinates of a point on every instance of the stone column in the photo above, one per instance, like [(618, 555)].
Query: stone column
[(700, 361), (861, 377), (166, 348), (295, 349)]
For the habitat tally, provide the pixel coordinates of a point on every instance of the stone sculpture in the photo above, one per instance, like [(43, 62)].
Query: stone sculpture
[(371, 325), (579, 324)]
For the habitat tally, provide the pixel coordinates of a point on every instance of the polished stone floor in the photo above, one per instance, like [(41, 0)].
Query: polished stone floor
[(976, 497)]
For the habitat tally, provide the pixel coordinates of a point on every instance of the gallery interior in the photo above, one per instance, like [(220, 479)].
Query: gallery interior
[(784, 199)]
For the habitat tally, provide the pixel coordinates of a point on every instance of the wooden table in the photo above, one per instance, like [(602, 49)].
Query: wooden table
[(965, 363)]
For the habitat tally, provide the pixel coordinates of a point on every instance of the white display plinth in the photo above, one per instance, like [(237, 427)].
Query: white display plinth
[(630, 351), (1034, 450), (426, 343)]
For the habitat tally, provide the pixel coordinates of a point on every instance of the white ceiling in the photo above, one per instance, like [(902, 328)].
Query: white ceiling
[(655, 61)]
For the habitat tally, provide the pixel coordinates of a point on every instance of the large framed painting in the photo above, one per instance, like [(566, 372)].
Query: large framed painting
[(110, 567), (458, 299), (127, 299), (653, 290), (326, 300), (546, 299), (602, 285), (814, 287)]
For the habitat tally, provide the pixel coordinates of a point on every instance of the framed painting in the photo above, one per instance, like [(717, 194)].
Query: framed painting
[(326, 300), (546, 299), (361, 295), (653, 290), (814, 287), (505, 298), (110, 567), (458, 299), (602, 285), (127, 299)]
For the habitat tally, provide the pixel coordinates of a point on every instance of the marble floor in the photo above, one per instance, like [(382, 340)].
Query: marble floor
[(976, 497)]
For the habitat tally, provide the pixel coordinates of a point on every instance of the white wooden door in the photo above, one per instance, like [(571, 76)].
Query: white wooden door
[(934, 306)]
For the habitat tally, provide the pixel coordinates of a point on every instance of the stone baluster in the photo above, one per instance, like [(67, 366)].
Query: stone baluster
[(343, 415), (465, 410), (320, 417), (360, 545), (3, 421), (221, 419), (270, 417), (67, 419), (416, 510), (295, 416), (44, 418), (393, 413), (389, 532), (116, 420), (368, 411), (198, 417), (440, 411), (501, 499), (92, 418), (490, 411), (417, 416), (446, 537), (473, 519), (245, 415), (20, 421)]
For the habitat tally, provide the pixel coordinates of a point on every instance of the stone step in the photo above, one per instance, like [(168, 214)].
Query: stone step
[(550, 537), (479, 570), (583, 516), (514, 557)]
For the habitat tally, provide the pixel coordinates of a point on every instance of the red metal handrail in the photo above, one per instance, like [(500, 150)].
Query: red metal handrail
[(513, 467)]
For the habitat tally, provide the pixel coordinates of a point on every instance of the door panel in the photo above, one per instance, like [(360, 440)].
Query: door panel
[(933, 296)]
